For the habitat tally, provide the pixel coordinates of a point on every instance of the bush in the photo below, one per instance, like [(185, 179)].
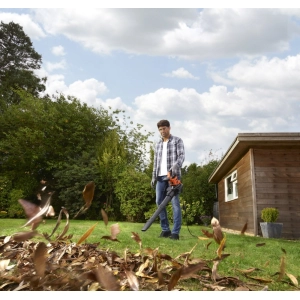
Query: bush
[(270, 214)]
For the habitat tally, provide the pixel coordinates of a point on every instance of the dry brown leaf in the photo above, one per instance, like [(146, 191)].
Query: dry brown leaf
[(104, 216), (132, 280), (260, 244), (282, 268), (88, 193), (30, 210), (217, 231), (3, 264), (114, 230), (39, 259), (66, 228), (63, 210), (50, 212), (214, 274), (283, 250), (293, 279), (208, 245), (221, 247), (23, 236), (160, 278), (207, 233), (107, 280), (244, 228), (174, 279), (86, 234), (247, 271), (264, 280), (266, 263), (108, 237), (191, 269), (135, 236)]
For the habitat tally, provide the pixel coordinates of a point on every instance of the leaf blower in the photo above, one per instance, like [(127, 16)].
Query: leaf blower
[(173, 189)]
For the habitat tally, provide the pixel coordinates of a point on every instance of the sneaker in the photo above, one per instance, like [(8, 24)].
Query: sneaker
[(174, 236), (165, 234)]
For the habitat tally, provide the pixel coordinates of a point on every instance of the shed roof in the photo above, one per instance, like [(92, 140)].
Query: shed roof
[(245, 141)]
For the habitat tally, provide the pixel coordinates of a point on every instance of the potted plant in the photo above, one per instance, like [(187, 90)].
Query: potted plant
[(269, 228)]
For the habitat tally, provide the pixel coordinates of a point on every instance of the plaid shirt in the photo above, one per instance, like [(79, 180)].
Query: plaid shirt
[(175, 155)]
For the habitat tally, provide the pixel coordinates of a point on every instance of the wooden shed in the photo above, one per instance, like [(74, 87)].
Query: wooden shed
[(260, 170)]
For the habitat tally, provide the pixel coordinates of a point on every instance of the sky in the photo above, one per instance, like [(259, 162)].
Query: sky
[(213, 72)]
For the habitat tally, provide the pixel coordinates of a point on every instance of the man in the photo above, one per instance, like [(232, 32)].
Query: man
[(168, 157)]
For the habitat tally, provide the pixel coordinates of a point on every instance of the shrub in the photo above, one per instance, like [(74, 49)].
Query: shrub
[(270, 214)]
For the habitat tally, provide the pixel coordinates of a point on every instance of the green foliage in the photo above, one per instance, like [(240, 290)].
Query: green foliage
[(197, 194), (135, 194), (152, 208), (5, 187), (270, 214), (70, 181), (15, 210), (18, 59), (192, 211)]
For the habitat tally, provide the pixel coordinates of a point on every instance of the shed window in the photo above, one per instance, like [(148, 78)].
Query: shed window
[(231, 188)]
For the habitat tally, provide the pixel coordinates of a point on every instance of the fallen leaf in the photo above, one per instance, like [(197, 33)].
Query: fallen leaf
[(88, 193), (293, 279), (104, 216), (86, 234), (207, 233), (3, 264), (107, 280), (221, 247), (260, 244), (244, 228), (23, 236), (132, 280), (136, 238), (174, 279), (40, 258), (115, 230), (282, 268), (217, 231)]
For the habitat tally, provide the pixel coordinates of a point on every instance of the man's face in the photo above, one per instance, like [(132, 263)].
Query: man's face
[(164, 131)]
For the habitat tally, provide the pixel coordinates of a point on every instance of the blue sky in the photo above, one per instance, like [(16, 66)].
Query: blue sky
[(212, 72)]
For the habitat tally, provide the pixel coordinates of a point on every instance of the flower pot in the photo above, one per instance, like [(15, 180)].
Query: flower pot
[(271, 230)]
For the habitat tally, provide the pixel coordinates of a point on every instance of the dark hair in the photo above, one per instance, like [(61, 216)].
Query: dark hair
[(162, 123)]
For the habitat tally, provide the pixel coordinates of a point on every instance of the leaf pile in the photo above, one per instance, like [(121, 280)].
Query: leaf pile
[(58, 264), (66, 266)]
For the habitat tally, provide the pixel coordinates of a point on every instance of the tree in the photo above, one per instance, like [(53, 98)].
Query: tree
[(18, 60), (198, 195), (40, 137), (135, 194), (66, 143)]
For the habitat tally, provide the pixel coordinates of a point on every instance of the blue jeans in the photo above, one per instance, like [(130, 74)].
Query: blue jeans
[(161, 190)]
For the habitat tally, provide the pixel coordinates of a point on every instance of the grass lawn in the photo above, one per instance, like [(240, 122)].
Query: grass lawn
[(256, 260)]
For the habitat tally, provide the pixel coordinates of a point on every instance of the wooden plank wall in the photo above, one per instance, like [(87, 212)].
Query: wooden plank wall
[(234, 214), (277, 183)]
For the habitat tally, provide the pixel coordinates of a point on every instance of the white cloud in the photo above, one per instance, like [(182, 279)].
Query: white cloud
[(58, 50), (32, 29), (181, 73), (184, 33), (252, 92), (55, 66), (269, 74)]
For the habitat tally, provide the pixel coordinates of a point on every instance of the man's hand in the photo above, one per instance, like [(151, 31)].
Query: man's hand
[(153, 181), (173, 170)]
